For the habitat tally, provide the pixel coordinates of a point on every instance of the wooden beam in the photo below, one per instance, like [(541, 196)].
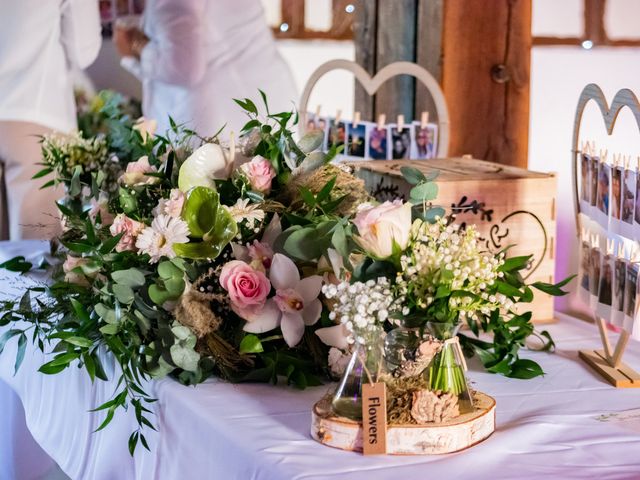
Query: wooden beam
[(486, 52), (396, 41), (428, 44), (594, 30), (364, 35)]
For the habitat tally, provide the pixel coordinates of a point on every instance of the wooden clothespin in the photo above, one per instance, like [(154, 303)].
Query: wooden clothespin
[(338, 116), (356, 119), (610, 246), (616, 159), (620, 250), (318, 108), (424, 120), (603, 155), (637, 163), (400, 123), (382, 118), (594, 241)]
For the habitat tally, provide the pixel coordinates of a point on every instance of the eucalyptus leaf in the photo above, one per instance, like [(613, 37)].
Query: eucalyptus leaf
[(424, 192), (123, 293), (131, 277)]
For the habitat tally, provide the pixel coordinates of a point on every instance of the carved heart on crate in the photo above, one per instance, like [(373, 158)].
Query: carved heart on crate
[(624, 98), (372, 84)]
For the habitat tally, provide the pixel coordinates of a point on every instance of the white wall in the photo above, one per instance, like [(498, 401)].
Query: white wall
[(558, 75)]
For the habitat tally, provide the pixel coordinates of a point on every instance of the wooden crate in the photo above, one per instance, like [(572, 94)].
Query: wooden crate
[(510, 206)]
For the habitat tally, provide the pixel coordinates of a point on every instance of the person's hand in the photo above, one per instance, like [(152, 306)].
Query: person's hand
[(129, 40), (123, 40)]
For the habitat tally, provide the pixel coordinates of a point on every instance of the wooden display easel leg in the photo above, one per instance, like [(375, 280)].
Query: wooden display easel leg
[(609, 365)]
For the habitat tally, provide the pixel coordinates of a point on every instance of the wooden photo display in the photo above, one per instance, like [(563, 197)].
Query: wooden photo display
[(606, 362)]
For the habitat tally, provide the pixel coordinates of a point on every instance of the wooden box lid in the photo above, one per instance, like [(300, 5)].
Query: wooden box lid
[(453, 169)]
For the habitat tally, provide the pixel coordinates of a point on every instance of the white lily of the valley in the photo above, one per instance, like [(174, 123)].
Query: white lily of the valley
[(295, 304)]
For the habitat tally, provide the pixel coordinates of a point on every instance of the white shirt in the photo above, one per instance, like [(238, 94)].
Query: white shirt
[(40, 42), (201, 55)]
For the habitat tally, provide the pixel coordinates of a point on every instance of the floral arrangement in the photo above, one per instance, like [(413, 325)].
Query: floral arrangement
[(185, 256)]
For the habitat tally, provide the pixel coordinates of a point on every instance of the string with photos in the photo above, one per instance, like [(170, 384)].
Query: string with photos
[(375, 140)]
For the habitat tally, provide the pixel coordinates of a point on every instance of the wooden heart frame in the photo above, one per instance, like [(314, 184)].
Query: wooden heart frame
[(607, 362), (372, 84)]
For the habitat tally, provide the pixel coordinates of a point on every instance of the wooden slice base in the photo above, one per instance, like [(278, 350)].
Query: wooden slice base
[(621, 377), (437, 438)]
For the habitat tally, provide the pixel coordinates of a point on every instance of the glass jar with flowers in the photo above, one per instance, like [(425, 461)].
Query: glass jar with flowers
[(362, 307)]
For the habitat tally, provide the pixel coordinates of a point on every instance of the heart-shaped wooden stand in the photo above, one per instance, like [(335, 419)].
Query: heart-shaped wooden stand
[(606, 362), (437, 438), (371, 86)]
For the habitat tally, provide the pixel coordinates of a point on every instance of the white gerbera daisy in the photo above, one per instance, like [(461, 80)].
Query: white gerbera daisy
[(158, 239), (243, 211)]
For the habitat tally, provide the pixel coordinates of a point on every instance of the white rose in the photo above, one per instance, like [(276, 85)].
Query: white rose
[(380, 226)]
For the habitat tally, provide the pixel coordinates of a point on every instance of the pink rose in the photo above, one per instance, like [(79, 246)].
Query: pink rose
[(130, 230), (248, 288), (260, 172), (70, 276), (136, 173)]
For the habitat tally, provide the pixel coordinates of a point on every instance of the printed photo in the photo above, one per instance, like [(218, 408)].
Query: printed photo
[(337, 133), (595, 167), (606, 281), (637, 215), (585, 168), (585, 265), (630, 289), (604, 179), (424, 145), (356, 140), (628, 195), (618, 284), (378, 143), (616, 192), (400, 143), (594, 275)]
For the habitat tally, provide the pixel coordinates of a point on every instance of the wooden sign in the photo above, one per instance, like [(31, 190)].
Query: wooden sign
[(374, 418)]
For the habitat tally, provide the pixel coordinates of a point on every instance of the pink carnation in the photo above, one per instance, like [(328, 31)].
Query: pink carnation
[(69, 265), (260, 172), (248, 288), (130, 230)]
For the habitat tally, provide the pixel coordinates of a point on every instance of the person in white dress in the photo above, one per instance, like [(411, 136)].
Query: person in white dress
[(41, 42), (194, 56)]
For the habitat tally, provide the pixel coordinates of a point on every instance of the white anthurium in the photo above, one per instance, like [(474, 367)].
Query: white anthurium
[(294, 306), (206, 164)]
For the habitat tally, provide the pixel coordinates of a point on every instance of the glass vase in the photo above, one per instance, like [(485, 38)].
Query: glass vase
[(446, 372), (400, 345), (365, 366)]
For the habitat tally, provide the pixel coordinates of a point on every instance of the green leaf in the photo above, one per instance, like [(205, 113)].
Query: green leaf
[(77, 247), (17, 264), (42, 173), (412, 175), (128, 202), (75, 187), (109, 329), (424, 192), (62, 360), (22, 348), (524, 368), (110, 244), (174, 286), (251, 344), (133, 441), (79, 341), (311, 141), (304, 244), (508, 290), (123, 293), (433, 213), (89, 365), (106, 314), (80, 310), (168, 270), (515, 263), (131, 277), (4, 338), (553, 289), (107, 419)]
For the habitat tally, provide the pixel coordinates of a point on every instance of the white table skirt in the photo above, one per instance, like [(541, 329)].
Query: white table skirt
[(546, 427)]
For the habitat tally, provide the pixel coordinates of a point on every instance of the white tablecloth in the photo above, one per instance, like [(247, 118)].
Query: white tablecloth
[(546, 427)]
